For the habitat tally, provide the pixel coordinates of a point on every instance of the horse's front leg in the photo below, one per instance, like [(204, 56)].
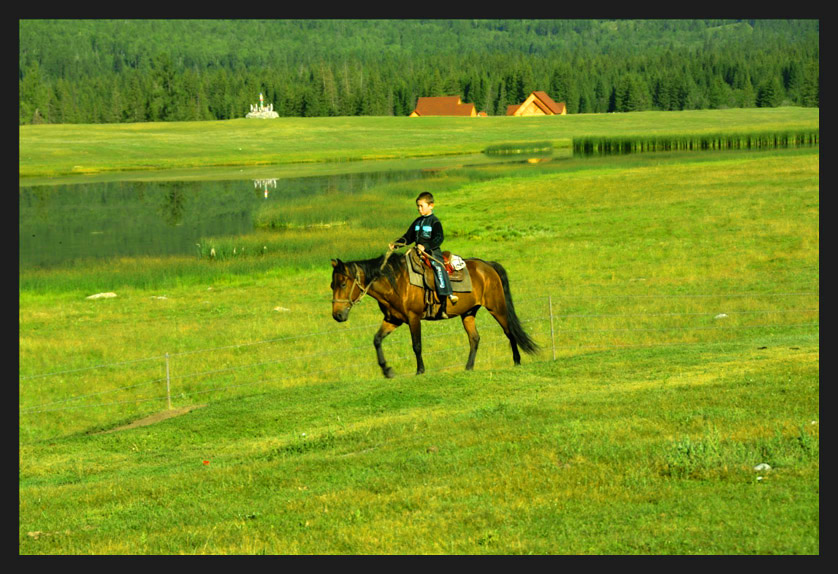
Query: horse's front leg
[(415, 322), (385, 329)]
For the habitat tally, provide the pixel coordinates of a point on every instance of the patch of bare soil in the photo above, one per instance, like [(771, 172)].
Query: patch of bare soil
[(155, 418)]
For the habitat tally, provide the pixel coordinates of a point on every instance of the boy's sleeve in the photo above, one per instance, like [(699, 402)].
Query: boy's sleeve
[(408, 237)]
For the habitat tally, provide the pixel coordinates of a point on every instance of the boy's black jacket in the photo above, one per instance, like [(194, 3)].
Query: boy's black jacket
[(425, 229)]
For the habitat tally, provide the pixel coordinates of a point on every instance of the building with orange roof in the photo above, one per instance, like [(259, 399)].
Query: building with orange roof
[(443, 106), (537, 104)]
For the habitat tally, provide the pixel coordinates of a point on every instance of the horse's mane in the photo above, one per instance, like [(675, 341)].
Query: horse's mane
[(372, 268)]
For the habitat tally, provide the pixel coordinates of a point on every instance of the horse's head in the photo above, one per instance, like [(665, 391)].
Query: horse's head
[(345, 287)]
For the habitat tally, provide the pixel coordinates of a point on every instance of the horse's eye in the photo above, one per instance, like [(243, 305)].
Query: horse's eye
[(343, 285)]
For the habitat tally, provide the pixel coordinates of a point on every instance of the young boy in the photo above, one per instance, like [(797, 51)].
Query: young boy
[(426, 232)]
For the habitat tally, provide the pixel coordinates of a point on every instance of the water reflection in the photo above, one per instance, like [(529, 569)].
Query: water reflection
[(64, 222), (60, 223), (266, 184), (174, 205)]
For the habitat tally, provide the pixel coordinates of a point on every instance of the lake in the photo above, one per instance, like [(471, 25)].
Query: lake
[(160, 214), (59, 223)]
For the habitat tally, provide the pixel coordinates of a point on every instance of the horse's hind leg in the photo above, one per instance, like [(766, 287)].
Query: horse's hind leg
[(500, 317), (473, 338), (385, 329)]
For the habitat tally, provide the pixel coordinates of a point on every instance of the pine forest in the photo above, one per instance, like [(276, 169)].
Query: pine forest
[(117, 71)]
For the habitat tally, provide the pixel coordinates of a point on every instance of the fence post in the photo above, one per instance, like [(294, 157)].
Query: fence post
[(168, 383), (552, 340)]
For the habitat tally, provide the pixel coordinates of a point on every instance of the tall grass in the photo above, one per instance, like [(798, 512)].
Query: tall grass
[(588, 145)]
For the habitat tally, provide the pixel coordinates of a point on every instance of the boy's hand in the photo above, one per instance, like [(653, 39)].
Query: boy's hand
[(421, 248)]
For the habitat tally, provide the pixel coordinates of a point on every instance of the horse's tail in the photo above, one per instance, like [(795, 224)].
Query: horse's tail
[(521, 338)]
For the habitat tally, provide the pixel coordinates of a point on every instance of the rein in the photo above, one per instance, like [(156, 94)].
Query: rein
[(361, 287), (397, 245)]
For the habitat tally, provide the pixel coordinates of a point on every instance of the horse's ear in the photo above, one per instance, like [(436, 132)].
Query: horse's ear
[(335, 262)]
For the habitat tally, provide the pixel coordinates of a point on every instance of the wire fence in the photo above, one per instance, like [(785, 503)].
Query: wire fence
[(348, 350)]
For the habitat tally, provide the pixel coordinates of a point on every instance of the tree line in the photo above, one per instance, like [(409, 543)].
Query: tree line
[(104, 71)]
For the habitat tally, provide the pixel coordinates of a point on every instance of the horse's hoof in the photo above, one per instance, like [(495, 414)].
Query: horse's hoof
[(389, 373), (420, 372)]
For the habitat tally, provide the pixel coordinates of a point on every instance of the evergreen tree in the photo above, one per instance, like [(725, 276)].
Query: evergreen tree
[(33, 97), (162, 100), (748, 94), (525, 83), (563, 88), (66, 106), (602, 96), (437, 87), (471, 88), (660, 88), (793, 81), (631, 94), (770, 93), (402, 101), (584, 106), (489, 101), (720, 95), (216, 82), (811, 86), (694, 98), (500, 101), (113, 112), (328, 89)]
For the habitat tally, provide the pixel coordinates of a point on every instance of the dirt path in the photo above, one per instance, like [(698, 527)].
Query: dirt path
[(155, 418)]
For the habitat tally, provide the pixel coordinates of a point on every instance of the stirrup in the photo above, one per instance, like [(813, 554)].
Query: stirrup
[(453, 298)]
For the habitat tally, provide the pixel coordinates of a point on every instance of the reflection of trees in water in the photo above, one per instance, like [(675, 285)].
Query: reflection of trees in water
[(40, 198), (174, 204), (115, 218)]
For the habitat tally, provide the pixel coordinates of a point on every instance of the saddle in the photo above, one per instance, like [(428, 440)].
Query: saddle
[(421, 274)]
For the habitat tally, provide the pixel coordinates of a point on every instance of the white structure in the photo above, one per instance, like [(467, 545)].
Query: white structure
[(262, 111)]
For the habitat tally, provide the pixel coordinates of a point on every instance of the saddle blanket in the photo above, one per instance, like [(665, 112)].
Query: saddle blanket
[(416, 268)]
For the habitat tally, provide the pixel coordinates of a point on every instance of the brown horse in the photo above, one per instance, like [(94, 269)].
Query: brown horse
[(386, 280)]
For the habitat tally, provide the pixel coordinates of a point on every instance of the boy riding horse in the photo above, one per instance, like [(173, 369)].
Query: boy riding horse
[(426, 232)]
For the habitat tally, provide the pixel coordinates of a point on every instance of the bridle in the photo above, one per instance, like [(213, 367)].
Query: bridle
[(358, 283), (361, 287)]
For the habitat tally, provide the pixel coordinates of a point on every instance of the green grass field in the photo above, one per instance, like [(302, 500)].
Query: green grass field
[(54, 150), (675, 296)]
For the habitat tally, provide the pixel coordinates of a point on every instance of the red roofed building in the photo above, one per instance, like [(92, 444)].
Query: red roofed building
[(537, 104), (443, 106)]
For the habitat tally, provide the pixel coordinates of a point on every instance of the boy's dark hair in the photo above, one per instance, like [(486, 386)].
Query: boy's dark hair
[(425, 196)]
